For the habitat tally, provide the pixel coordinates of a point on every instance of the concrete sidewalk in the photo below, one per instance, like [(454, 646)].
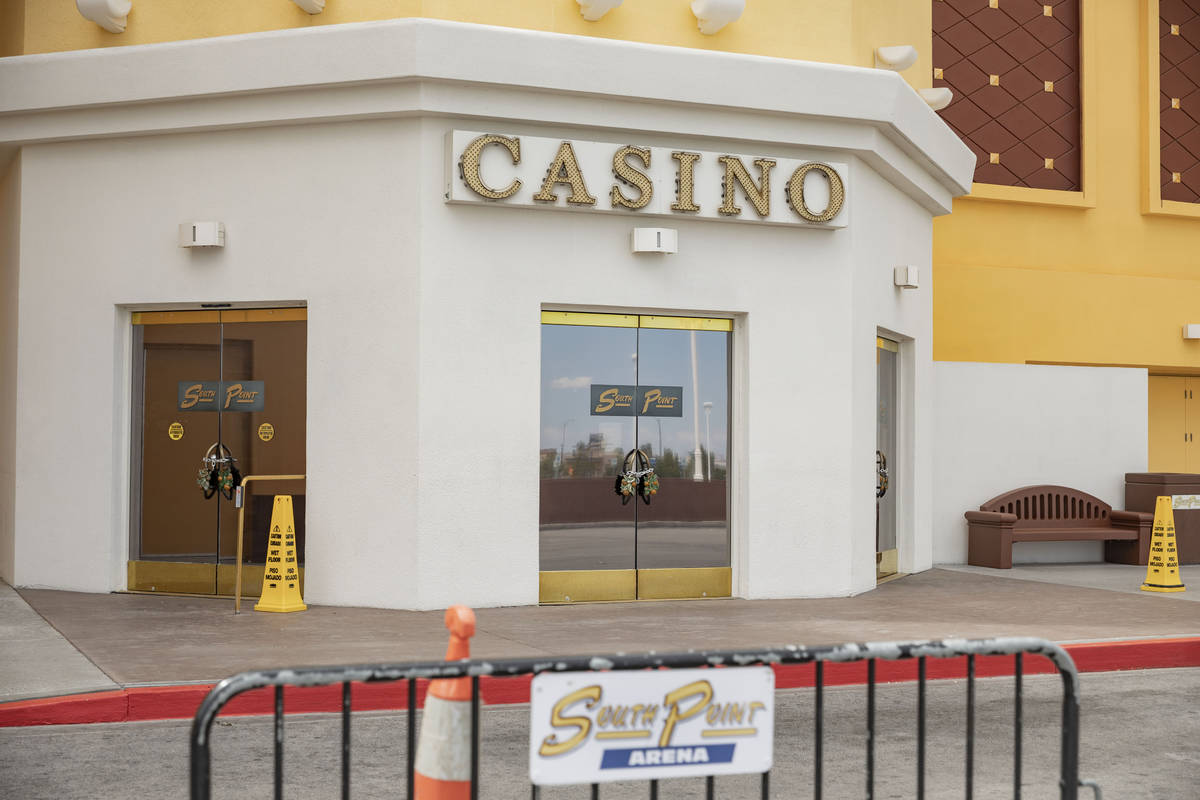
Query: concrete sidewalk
[(36, 660), (66, 642)]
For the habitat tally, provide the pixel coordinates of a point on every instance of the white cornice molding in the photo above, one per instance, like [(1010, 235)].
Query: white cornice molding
[(414, 66)]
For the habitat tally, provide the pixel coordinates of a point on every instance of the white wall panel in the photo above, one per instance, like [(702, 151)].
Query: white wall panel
[(1004, 426)]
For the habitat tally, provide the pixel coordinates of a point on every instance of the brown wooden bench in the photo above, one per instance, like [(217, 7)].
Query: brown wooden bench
[(1054, 514)]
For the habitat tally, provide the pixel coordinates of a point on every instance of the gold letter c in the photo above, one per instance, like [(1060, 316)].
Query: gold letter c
[(468, 165)]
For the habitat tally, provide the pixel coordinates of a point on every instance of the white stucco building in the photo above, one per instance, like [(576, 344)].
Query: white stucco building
[(420, 351)]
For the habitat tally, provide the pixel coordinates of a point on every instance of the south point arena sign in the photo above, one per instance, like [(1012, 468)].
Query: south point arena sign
[(531, 171)]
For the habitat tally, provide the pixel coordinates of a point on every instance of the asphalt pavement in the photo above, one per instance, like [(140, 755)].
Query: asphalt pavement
[(1139, 740)]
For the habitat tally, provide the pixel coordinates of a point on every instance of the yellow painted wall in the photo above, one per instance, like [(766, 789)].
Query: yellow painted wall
[(12, 27), (844, 31), (1018, 282)]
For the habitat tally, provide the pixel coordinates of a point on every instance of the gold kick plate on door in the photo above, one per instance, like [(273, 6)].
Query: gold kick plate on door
[(886, 563), (609, 585), (179, 577), (587, 585), (685, 583)]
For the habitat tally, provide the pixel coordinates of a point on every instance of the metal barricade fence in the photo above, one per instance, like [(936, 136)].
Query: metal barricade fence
[(871, 653)]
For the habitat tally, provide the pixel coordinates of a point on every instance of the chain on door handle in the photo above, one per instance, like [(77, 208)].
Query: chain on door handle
[(881, 471)]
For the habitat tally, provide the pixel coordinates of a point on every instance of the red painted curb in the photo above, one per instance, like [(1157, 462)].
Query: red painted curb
[(140, 704)]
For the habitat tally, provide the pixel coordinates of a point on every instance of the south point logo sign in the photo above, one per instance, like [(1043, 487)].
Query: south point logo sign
[(621, 400), (532, 171), (222, 395), (593, 727)]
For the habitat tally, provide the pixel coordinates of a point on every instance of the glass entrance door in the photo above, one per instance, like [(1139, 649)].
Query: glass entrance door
[(644, 398), (217, 394), (886, 356)]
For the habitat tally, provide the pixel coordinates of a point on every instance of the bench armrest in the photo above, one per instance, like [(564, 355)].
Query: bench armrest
[(990, 517), (1131, 519)]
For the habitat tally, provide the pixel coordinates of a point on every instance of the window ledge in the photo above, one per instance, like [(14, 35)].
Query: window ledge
[(1174, 208), (1039, 197)]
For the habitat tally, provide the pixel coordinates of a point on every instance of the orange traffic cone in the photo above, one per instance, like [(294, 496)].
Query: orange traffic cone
[(443, 768)]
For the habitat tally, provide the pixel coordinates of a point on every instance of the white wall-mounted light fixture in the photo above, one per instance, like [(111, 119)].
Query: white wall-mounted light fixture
[(311, 6), (593, 10), (1191, 331), (201, 234), (937, 98), (896, 58), (907, 277), (655, 240), (108, 14), (716, 14)]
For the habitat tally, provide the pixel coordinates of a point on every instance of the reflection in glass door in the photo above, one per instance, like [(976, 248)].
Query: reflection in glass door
[(230, 386), (647, 398), (886, 355)]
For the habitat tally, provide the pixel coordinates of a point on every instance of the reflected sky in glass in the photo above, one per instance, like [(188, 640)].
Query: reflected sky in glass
[(575, 356)]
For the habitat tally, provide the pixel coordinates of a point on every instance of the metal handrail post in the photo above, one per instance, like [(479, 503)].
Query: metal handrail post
[(237, 581)]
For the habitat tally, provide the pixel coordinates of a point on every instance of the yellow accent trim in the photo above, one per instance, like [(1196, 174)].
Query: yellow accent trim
[(887, 344), (1175, 208), (225, 315), (175, 317), (623, 735), (601, 320), (587, 585), (1021, 194), (686, 323), (713, 732), (636, 321), (180, 577), (265, 315), (684, 584)]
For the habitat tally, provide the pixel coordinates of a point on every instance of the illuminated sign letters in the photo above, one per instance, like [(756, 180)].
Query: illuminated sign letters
[(629, 178)]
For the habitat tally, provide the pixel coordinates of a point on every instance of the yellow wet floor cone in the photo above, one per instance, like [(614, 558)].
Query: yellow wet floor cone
[(443, 765), (1162, 571), (281, 579)]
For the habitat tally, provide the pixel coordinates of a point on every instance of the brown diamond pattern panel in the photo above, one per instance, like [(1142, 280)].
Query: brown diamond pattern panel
[(1013, 66), (1179, 99)]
